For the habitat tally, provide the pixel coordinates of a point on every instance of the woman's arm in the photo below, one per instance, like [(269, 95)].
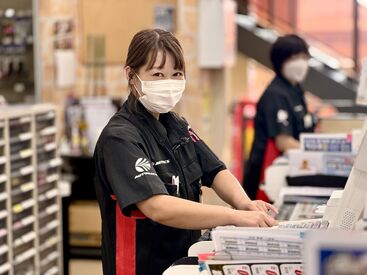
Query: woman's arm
[(285, 142), (185, 214), (230, 190)]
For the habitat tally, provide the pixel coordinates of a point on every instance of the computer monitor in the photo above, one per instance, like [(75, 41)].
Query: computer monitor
[(354, 195)]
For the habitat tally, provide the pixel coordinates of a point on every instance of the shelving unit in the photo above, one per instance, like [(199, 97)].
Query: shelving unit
[(30, 205), (5, 254), (19, 53)]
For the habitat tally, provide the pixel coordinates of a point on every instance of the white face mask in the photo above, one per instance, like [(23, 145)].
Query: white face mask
[(295, 70), (161, 96)]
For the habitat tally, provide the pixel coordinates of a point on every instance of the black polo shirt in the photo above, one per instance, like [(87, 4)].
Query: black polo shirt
[(137, 157), (281, 110)]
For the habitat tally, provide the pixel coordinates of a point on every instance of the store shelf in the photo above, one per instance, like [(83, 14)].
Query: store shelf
[(4, 249), (45, 117), (52, 178), (48, 131), (3, 178), (24, 256), (49, 258), (3, 214), (48, 243), (52, 271), (53, 193), (49, 211), (21, 138), (4, 268), (23, 188), (48, 227), (3, 232), (24, 222), (54, 163), (3, 196), (24, 205), (29, 191), (23, 154), (23, 171), (26, 238), (20, 121)]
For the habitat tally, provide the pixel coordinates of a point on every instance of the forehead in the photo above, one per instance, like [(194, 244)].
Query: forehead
[(163, 60)]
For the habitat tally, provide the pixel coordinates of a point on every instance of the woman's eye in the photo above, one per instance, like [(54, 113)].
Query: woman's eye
[(158, 74), (178, 74)]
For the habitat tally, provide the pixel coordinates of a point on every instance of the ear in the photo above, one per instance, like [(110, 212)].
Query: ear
[(128, 73)]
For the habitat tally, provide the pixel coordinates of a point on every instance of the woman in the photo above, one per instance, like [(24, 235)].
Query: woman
[(281, 113), (150, 166)]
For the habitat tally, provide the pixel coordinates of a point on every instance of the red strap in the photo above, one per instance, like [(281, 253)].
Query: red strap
[(271, 153), (125, 244)]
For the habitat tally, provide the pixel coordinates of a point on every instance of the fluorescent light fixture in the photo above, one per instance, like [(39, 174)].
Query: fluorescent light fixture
[(338, 76), (325, 58), (363, 3), (9, 13), (313, 62)]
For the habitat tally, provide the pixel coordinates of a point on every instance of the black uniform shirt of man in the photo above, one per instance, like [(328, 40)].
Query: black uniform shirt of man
[(281, 110), (136, 157)]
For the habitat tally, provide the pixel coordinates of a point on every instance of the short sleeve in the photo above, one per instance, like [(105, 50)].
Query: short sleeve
[(277, 115), (130, 173), (210, 164)]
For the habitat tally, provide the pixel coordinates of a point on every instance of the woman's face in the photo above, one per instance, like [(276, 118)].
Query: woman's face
[(295, 68), (168, 71)]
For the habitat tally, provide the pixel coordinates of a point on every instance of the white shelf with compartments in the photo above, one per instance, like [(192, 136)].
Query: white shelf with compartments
[(30, 203)]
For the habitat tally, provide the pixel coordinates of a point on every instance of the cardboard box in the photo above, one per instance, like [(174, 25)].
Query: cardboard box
[(84, 217), (84, 239)]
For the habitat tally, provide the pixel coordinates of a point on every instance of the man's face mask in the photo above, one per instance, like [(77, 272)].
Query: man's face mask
[(161, 96)]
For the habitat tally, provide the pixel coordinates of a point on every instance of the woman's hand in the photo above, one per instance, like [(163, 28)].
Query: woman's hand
[(253, 219), (258, 205)]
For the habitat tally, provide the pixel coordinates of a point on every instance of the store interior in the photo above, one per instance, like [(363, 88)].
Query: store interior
[(62, 78)]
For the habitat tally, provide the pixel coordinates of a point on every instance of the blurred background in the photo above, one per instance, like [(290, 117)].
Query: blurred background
[(71, 53)]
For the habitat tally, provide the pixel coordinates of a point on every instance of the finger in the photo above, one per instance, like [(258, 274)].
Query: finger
[(252, 207), (270, 221), (264, 207), (272, 207), (261, 206), (264, 224)]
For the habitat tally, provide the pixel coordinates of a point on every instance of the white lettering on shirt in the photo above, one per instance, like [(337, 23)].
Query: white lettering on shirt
[(161, 162)]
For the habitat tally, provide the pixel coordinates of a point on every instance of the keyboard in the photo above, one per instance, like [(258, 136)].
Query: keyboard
[(306, 224)]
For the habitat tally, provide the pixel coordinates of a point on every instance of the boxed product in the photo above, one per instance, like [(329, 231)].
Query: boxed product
[(325, 163), (304, 163), (337, 164), (84, 224), (315, 142)]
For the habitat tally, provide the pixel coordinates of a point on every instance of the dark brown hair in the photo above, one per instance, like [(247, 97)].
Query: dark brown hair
[(144, 48), (283, 49)]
